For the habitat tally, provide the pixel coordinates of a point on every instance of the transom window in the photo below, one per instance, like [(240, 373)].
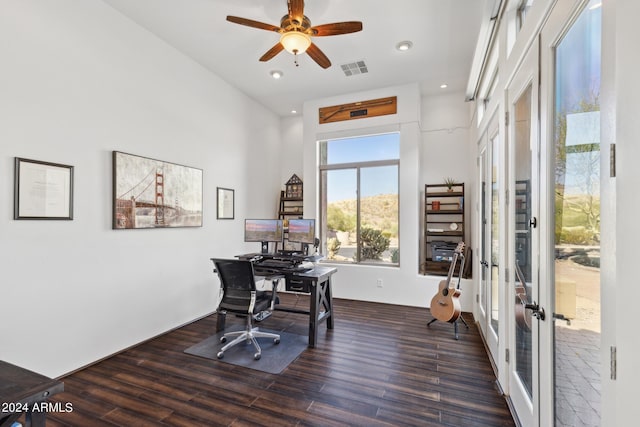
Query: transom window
[(359, 201)]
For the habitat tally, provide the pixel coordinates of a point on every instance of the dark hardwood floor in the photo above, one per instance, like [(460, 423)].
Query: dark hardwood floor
[(381, 365)]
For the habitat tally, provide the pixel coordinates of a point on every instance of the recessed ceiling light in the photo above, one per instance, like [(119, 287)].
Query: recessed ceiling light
[(444, 86), (294, 112), (405, 45), (276, 74)]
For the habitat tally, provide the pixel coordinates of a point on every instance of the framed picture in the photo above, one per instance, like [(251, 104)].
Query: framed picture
[(42, 190), (149, 193), (225, 203)]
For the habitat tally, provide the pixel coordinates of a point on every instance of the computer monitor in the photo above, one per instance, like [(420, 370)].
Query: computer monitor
[(302, 231), (263, 231)]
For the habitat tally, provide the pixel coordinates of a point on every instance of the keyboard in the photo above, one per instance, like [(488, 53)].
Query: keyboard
[(274, 263), (275, 266)]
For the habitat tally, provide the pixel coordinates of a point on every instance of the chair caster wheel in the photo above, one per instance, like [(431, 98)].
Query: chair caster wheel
[(257, 356), (223, 339), (276, 340), (220, 354)]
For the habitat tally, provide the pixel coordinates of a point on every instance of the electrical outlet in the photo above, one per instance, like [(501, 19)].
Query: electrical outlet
[(379, 283)]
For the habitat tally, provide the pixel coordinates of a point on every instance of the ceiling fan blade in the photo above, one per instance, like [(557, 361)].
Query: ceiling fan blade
[(296, 10), (337, 28), (317, 55), (253, 24), (272, 52)]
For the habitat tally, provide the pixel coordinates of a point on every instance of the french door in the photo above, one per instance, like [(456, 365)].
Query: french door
[(553, 140), (570, 88), (525, 310), (489, 215)]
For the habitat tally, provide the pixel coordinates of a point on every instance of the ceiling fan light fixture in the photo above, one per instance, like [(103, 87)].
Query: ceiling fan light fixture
[(295, 42), (404, 45)]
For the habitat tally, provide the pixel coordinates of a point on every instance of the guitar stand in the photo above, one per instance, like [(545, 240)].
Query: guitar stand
[(455, 325), (451, 270)]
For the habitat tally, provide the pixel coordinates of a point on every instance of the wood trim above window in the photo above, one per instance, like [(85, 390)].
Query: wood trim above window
[(358, 110)]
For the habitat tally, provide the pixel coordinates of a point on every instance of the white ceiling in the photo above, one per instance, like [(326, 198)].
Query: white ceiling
[(443, 32)]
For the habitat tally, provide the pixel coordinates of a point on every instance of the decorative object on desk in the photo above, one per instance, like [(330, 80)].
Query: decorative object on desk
[(453, 226), (445, 305), (274, 360), (149, 193), (449, 182), (42, 190), (225, 202)]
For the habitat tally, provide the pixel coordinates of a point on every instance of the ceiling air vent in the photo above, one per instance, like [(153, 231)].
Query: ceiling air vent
[(354, 68)]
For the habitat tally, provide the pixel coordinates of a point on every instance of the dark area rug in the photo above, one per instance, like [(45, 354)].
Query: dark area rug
[(275, 357)]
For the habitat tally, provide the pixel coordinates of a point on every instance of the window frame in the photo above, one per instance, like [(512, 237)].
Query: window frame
[(322, 191)]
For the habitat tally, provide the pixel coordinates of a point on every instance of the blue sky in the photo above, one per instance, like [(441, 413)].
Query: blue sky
[(379, 180)]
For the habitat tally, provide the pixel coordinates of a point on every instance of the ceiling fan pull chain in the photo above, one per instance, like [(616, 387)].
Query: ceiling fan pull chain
[(295, 58)]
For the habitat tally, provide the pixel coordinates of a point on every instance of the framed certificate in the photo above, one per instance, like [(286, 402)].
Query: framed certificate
[(42, 190), (225, 203)]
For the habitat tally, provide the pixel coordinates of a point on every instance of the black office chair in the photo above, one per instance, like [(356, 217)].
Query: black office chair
[(241, 297)]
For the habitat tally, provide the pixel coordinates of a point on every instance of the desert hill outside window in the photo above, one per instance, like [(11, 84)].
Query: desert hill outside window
[(359, 199)]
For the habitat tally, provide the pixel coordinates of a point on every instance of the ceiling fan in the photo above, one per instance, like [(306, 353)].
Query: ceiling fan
[(296, 32)]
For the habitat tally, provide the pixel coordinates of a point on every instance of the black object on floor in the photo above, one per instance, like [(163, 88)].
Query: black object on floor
[(275, 357)]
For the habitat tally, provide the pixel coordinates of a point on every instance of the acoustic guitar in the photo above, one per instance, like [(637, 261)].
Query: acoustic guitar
[(445, 305), (523, 317)]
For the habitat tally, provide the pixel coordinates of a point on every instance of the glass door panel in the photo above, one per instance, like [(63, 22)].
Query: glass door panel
[(494, 270), (523, 258), (577, 222), (484, 245), (523, 239)]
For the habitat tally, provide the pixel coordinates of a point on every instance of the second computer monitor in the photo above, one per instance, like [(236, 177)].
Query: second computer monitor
[(302, 231)]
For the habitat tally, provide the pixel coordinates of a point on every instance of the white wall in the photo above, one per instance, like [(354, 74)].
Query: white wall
[(78, 80), (292, 149), (448, 152), (620, 24), (403, 285)]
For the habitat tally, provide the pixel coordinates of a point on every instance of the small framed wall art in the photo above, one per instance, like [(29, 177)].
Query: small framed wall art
[(42, 190), (225, 203)]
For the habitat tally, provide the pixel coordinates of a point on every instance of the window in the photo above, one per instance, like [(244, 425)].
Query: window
[(359, 199), (488, 83), (516, 15), (521, 14)]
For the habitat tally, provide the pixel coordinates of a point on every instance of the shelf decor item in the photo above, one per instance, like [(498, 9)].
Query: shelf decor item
[(293, 188), (449, 183)]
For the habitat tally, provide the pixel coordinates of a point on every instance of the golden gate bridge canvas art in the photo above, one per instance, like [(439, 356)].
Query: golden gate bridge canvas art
[(149, 193)]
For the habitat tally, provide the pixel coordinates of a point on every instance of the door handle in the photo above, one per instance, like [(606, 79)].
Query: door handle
[(537, 311), (559, 316), (484, 264), (533, 222)]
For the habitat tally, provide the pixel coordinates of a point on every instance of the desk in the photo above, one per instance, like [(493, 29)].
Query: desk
[(318, 284), (24, 391)]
